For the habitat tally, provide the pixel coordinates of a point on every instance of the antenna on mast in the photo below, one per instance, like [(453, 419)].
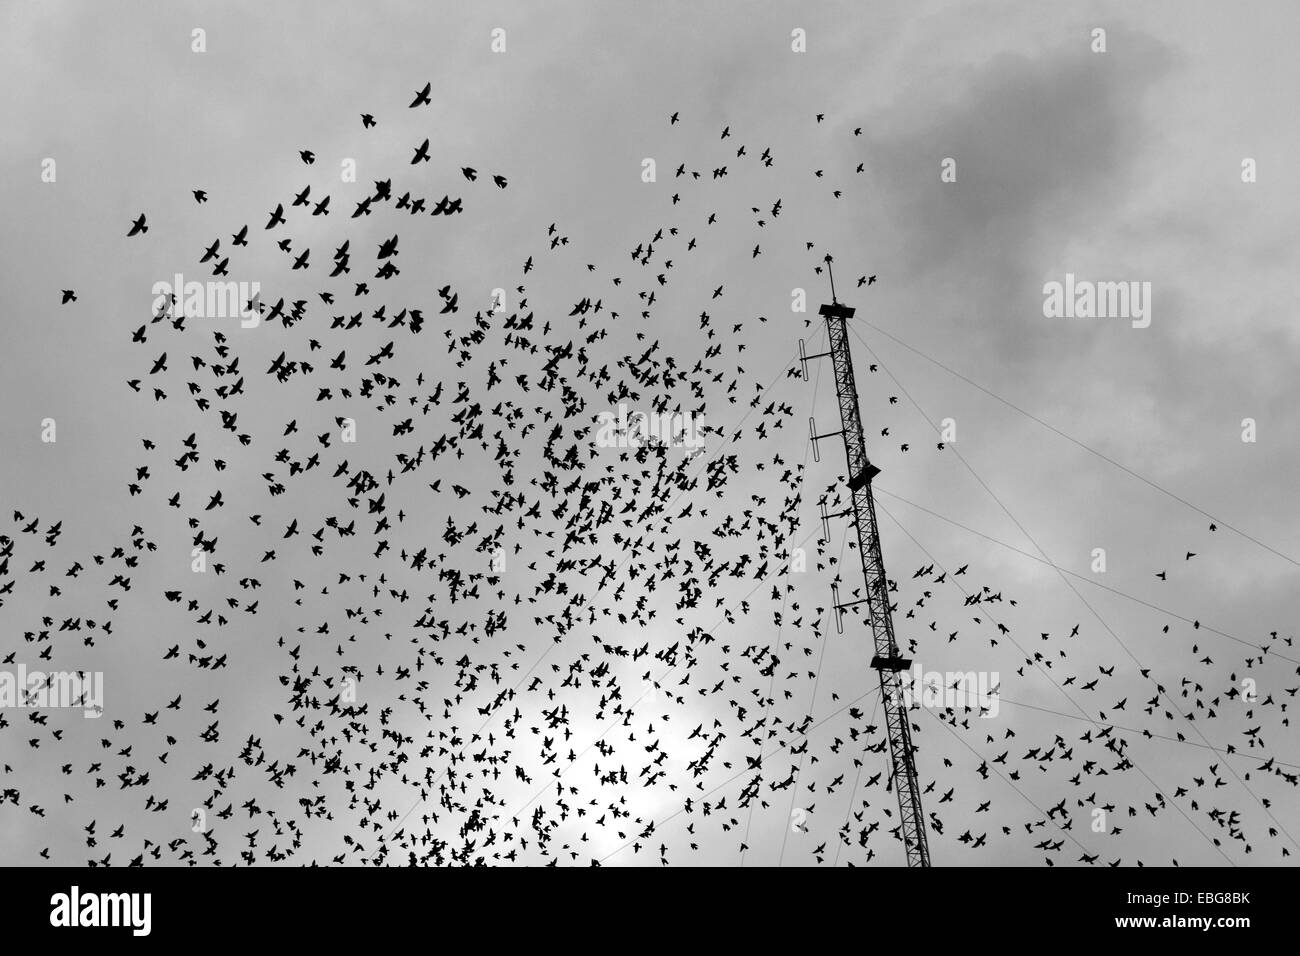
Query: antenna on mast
[(828, 260), (888, 661)]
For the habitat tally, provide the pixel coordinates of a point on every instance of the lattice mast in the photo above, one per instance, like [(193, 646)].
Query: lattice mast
[(888, 662)]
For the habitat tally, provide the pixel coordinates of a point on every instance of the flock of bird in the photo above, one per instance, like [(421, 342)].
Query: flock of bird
[(437, 624)]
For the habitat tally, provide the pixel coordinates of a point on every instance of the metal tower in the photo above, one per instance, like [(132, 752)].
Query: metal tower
[(888, 662)]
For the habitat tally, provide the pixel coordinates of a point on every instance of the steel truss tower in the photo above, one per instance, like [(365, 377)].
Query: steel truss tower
[(888, 662)]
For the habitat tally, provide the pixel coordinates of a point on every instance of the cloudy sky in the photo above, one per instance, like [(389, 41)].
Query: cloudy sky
[(1122, 165)]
